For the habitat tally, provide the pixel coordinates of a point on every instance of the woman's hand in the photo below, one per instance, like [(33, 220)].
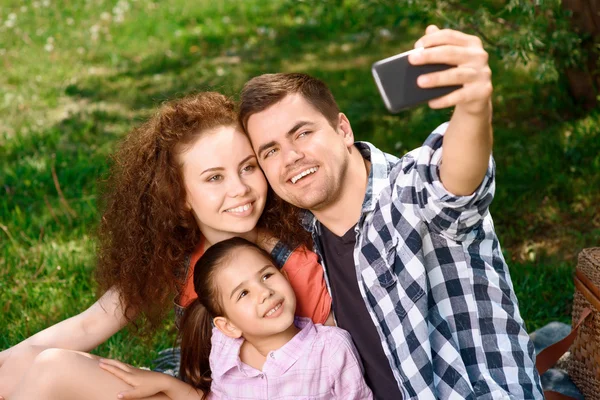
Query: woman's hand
[(145, 383)]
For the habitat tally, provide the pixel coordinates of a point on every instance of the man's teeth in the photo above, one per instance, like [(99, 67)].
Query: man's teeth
[(272, 311), (303, 174), (239, 209)]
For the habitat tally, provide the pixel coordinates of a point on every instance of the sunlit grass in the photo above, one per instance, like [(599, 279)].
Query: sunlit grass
[(77, 75)]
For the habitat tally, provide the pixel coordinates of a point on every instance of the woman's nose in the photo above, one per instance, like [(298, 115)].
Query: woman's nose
[(238, 188)]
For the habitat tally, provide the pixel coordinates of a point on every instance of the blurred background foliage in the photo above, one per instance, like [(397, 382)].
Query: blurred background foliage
[(78, 75)]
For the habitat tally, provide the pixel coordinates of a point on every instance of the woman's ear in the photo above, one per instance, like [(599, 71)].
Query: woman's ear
[(228, 329)]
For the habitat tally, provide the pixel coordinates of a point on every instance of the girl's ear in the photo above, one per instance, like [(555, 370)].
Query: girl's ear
[(228, 329)]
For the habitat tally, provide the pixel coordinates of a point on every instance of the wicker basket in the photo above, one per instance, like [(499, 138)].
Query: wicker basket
[(584, 363)]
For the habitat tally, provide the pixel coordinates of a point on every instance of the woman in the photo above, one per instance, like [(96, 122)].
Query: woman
[(182, 181)]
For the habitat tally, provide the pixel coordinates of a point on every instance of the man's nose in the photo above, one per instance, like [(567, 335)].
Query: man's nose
[(292, 154)]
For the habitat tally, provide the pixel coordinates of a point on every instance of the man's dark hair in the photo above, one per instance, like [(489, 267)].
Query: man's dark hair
[(263, 91)]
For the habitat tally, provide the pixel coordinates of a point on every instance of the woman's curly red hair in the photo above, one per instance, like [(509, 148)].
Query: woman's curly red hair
[(147, 230)]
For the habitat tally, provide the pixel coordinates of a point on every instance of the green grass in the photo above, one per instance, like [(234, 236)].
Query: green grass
[(78, 75)]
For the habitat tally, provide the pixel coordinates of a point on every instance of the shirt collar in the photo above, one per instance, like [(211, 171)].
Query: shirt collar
[(378, 180), (282, 359), (278, 361)]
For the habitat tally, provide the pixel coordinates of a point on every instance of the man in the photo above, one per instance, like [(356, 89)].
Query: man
[(408, 245)]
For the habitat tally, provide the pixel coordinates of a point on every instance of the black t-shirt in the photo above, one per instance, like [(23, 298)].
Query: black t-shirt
[(352, 315)]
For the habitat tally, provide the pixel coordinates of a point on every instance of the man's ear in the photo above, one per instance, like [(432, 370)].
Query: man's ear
[(345, 129), (228, 329)]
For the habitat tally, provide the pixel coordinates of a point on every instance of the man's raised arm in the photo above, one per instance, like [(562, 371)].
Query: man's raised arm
[(468, 139)]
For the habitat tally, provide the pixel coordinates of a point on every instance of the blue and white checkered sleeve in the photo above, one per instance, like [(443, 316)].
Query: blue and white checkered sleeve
[(452, 216)]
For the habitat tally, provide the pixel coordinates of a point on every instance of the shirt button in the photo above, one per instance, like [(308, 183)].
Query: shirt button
[(273, 355)]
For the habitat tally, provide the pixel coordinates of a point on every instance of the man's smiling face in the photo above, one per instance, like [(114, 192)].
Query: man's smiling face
[(303, 157)]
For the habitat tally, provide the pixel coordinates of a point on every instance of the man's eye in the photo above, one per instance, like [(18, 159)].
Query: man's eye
[(269, 153), (215, 178), (304, 133)]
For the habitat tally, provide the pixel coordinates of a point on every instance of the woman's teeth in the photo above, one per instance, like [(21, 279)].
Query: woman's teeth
[(303, 174), (239, 209), (272, 311)]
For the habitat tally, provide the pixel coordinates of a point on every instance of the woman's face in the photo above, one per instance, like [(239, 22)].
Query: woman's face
[(226, 190)]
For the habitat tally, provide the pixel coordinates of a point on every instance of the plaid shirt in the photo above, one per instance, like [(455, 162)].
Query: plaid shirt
[(433, 278), (319, 363)]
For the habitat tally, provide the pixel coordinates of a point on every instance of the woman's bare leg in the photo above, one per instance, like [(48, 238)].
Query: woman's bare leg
[(63, 374), (16, 365)]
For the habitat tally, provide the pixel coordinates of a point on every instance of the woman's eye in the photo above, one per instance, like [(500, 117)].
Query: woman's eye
[(249, 168), (215, 178)]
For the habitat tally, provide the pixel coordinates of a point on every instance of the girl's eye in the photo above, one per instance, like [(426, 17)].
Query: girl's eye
[(267, 276), (243, 294), (215, 178)]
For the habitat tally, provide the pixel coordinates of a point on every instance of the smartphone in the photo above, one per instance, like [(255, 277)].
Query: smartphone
[(396, 80)]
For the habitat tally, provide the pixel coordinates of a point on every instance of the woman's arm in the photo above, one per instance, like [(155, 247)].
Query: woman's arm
[(82, 332), (308, 281)]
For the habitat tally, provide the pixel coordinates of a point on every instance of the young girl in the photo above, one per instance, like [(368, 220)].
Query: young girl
[(259, 350), (182, 181)]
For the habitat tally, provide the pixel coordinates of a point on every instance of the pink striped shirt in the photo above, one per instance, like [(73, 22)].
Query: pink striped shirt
[(320, 362)]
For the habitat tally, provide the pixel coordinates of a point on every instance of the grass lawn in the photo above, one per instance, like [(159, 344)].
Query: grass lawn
[(77, 75)]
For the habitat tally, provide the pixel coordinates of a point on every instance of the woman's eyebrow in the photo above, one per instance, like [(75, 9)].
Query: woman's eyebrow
[(212, 170), (247, 158)]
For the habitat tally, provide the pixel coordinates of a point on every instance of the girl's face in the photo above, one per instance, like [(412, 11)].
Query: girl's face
[(257, 299), (226, 190)]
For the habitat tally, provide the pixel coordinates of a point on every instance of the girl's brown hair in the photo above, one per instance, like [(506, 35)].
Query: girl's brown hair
[(147, 230), (196, 325)]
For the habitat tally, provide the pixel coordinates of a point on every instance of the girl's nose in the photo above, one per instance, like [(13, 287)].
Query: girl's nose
[(266, 293)]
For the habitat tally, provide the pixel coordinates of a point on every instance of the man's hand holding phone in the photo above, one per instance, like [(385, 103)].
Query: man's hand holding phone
[(470, 69)]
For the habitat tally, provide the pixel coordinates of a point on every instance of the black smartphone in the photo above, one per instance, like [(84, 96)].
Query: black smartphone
[(396, 80)]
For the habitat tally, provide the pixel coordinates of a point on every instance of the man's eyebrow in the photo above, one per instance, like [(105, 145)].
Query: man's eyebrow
[(272, 143), (265, 146), (298, 125), (242, 283)]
